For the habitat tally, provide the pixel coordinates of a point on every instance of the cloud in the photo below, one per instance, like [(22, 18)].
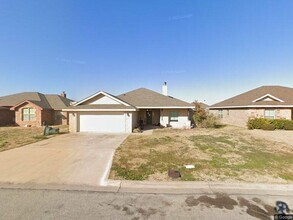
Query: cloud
[(179, 17), (64, 60)]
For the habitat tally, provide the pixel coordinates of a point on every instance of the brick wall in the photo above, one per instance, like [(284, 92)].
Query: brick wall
[(7, 117), (61, 118), (65, 118), (43, 116), (239, 117), (18, 116), (47, 117)]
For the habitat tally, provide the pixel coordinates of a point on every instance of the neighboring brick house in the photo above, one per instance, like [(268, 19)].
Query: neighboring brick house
[(33, 109), (274, 102)]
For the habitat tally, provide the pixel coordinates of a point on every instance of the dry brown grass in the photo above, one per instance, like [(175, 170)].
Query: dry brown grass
[(225, 154), (12, 137)]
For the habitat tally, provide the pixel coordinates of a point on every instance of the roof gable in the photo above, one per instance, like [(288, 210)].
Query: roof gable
[(104, 100), (101, 98), (268, 97), (34, 103)]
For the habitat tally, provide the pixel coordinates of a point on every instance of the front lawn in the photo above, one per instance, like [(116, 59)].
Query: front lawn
[(224, 154), (12, 137)]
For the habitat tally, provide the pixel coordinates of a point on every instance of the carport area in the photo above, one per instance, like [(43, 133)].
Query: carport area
[(77, 159)]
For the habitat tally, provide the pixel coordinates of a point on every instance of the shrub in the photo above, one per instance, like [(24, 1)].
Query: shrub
[(280, 123), (288, 126), (250, 124), (210, 122), (269, 124), (256, 123), (268, 127)]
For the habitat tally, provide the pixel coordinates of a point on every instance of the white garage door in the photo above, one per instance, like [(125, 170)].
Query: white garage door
[(102, 122)]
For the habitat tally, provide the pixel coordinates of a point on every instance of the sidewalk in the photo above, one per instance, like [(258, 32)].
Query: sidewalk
[(145, 187)]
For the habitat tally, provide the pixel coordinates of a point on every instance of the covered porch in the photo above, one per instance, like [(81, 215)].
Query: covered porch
[(177, 118), (149, 117)]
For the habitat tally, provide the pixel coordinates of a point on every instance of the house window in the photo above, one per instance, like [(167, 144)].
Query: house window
[(269, 114), (220, 113), (28, 114), (174, 116)]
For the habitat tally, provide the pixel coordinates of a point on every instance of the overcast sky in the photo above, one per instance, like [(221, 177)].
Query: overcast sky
[(204, 50)]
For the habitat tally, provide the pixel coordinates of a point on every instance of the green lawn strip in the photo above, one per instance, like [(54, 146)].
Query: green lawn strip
[(253, 157), (13, 137), (253, 153), (157, 161)]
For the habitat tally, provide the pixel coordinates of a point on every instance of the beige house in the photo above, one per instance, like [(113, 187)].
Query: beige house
[(103, 112), (275, 102)]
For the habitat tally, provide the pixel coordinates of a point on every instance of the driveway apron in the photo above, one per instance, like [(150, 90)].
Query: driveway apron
[(79, 159)]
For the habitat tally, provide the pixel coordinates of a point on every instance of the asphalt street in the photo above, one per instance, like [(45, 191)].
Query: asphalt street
[(60, 204)]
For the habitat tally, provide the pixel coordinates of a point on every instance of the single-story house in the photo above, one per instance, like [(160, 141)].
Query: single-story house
[(275, 102), (33, 109), (103, 112)]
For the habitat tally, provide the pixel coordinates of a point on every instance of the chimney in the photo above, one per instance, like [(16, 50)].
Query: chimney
[(63, 94), (165, 89)]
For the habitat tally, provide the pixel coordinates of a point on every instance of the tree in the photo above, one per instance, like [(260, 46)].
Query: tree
[(199, 115)]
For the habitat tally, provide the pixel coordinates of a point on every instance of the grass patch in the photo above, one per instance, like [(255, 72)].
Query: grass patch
[(218, 154), (286, 176), (3, 144), (12, 137)]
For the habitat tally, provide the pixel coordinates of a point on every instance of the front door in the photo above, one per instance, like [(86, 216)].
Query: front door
[(149, 117)]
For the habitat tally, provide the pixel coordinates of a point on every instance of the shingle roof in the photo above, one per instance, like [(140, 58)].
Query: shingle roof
[(246, 99), (101, 106), (147, 98), (56, 102)]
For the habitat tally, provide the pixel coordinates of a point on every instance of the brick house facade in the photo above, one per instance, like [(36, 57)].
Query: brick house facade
[(42, 116), (275, 102), (239, 117), (34, 109)]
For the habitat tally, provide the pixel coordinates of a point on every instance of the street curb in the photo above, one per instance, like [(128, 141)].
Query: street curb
[(146, 187), (202, 188), (59, 187)]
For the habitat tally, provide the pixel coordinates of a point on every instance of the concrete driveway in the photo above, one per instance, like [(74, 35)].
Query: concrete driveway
[(79, 159)]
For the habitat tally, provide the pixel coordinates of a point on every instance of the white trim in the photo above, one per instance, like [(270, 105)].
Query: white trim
[(99, 110), (253, 106), (164, 107), (268, 95), (103, 93)]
